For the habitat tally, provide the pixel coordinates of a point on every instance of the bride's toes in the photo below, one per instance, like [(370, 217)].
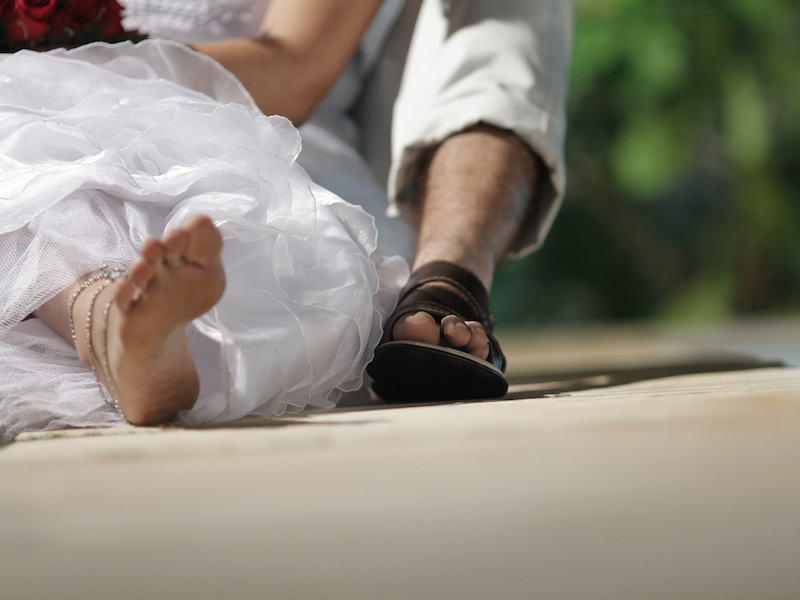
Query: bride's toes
[(152, 251), (125, 295), (141, 272), (203, 241), (175, 246)]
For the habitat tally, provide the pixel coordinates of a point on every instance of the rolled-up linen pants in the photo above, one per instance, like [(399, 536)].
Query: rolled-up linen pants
[(444, 67)]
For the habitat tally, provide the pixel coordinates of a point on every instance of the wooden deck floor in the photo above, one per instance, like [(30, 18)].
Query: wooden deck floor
[(625, 463)]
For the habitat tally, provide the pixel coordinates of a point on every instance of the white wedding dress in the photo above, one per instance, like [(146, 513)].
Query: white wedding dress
[(105, 145)]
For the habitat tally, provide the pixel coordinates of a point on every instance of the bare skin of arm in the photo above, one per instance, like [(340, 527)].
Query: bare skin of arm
[(300, 51)]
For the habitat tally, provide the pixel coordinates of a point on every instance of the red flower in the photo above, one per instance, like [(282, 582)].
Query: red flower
[(36, 10), (29, 19), (45, 24), (101, 17)]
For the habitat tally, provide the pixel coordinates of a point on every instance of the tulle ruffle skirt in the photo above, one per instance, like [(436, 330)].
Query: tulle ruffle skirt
[(105, 145)]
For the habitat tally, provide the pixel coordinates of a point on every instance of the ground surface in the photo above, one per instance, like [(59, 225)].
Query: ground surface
[(626, 463)]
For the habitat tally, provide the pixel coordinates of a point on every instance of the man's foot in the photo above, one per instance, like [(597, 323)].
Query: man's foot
[(438, 343), (150, 371), (472, 193)]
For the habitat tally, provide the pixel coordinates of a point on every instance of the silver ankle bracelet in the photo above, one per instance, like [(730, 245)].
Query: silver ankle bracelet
[(108, 275)]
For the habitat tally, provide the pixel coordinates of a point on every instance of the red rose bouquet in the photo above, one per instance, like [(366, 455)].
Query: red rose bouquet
[(43, 24)]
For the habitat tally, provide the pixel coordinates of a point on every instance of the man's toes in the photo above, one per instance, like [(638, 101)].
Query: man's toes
[(479, 341), (419, 327), (455, 331)]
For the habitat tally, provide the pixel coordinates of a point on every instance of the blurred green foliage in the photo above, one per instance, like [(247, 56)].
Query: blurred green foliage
[(683, 156)]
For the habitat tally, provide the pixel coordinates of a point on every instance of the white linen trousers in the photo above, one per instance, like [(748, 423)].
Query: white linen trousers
[(448, 65)]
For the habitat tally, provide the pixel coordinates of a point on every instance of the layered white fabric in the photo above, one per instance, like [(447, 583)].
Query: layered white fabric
[(105, 145)]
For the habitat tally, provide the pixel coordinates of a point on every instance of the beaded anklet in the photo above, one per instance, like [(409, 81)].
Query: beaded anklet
[(108, 275)]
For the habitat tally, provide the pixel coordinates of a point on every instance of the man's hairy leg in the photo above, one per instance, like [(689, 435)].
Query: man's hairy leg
[(471, 201)]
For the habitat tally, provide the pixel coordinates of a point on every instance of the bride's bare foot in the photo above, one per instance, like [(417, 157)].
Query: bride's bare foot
[(150, 372)]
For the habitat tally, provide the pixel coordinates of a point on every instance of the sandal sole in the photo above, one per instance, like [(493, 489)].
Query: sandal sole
[(407, 371)]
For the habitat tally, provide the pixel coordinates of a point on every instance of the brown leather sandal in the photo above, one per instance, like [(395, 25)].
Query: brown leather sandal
[(405, 371)]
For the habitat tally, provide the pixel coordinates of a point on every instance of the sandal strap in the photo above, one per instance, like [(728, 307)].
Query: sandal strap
[(460, 289), (441, 288)]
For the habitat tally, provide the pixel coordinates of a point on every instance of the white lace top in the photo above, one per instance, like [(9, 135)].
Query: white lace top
[(192, 21)]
